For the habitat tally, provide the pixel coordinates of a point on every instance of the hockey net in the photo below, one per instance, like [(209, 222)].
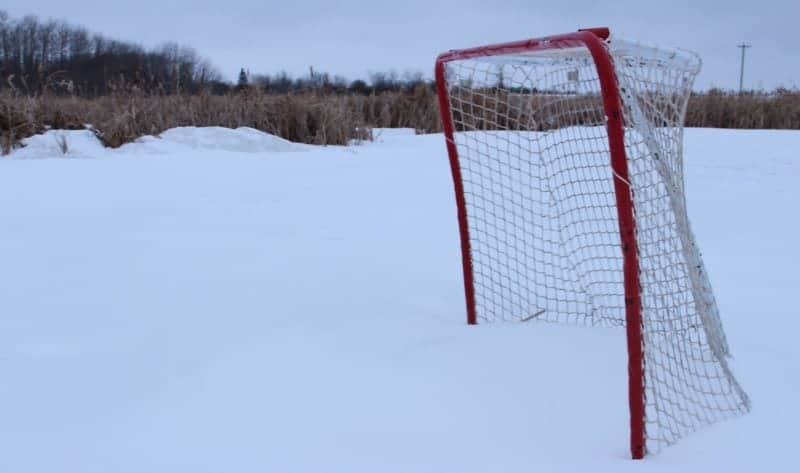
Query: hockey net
[(542, 219)]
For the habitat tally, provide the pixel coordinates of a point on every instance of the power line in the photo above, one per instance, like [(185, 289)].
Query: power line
[(743, 47)]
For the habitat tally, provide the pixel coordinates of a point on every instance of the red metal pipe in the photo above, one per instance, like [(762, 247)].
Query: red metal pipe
[(592, 39)]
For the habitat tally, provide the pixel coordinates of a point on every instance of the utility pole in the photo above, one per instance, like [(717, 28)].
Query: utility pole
[(743, 47)]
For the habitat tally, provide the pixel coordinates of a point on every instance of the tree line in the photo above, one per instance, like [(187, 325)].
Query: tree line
[(379, 82), (52, 54), (55, 56)]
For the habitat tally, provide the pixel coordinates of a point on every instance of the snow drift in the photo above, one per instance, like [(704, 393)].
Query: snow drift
[(84, 143)]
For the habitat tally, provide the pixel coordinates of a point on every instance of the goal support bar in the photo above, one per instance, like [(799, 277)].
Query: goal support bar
[(591, 39)]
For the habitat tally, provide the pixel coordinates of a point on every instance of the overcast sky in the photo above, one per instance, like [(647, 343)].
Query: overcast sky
[(352, 38)]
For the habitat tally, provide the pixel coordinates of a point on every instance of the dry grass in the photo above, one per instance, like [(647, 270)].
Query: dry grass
[(776, 110), (309, 117), (313, 117)]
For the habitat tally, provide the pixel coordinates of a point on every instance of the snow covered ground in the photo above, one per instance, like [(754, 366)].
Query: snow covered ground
[(224, 301)]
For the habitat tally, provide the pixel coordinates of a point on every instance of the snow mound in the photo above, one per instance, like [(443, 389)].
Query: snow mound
[(60, 144), (242, 140), (84, 143), (392, 135)]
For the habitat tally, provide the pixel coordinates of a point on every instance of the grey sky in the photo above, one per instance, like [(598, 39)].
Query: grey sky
[(352, 38)]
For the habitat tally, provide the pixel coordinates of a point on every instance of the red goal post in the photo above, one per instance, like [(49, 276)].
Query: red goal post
[(484, 102)]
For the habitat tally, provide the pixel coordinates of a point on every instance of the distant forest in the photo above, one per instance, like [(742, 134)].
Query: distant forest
[(52, 54), (36, 54)]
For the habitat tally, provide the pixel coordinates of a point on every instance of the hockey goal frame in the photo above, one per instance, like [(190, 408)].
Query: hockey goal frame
[(593, 40)]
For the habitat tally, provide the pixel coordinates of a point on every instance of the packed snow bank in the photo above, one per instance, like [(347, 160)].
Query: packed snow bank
[(243, 140), (84, 143), (392, 135), (219, 311), (60, 144)]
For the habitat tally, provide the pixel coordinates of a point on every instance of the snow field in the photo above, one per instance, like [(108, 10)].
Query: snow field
[(224, 301)]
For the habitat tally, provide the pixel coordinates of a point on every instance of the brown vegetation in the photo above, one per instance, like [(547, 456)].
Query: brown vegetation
[(779, 109), (313, 116), (307, 117)]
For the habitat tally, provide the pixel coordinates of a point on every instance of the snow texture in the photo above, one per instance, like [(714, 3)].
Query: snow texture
[(208, 301)]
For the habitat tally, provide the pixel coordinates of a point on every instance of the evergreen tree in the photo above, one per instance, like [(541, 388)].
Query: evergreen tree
[(243, 81)]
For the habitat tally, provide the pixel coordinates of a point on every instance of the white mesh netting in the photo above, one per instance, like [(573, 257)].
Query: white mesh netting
[(545, 241)]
